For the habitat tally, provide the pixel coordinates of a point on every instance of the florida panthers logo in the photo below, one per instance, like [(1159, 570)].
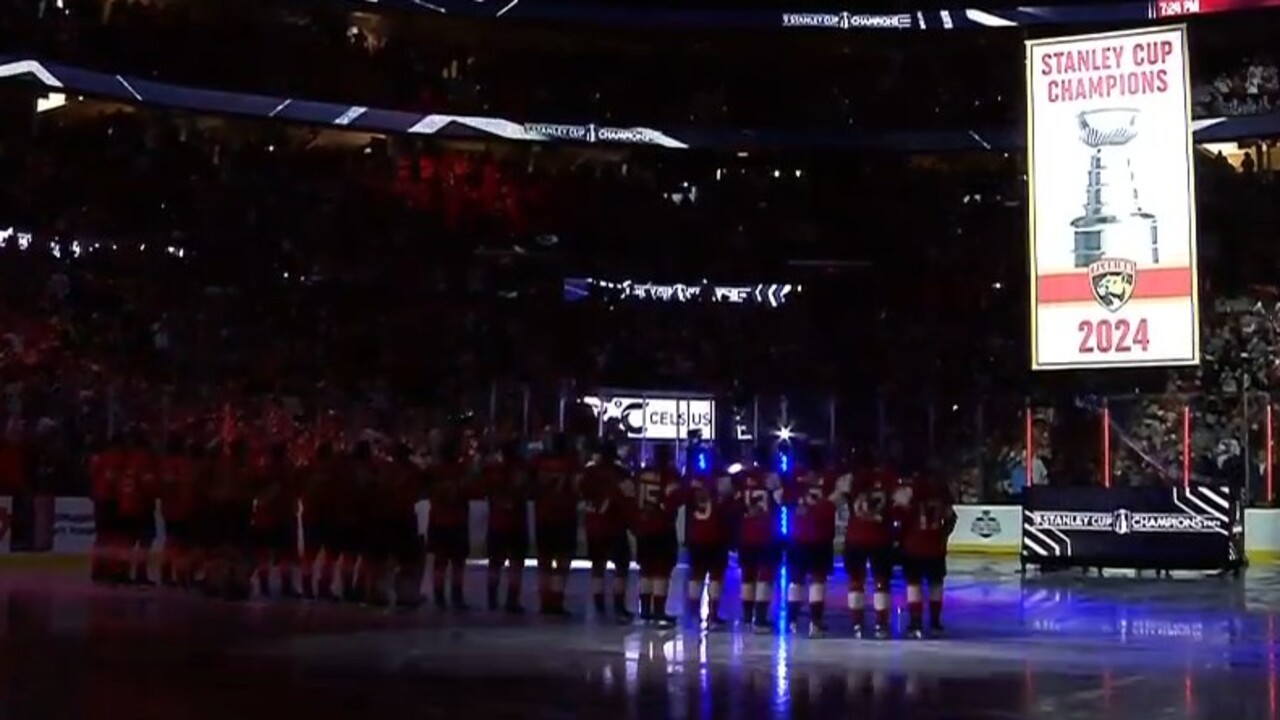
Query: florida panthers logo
[(1113, 281)]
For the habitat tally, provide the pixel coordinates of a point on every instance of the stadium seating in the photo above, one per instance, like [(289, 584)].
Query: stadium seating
[(159, 267)]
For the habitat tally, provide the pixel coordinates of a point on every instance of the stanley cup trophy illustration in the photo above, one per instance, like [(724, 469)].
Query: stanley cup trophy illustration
[(1113, 224)]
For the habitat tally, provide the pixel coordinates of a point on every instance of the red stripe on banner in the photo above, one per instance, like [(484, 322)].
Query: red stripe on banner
[(1152, 283)]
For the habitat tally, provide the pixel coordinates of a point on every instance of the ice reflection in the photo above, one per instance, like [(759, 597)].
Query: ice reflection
[(781, 678), (1116, 649)]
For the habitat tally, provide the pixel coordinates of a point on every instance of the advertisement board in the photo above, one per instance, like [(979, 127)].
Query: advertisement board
[(1112, 228), (987, 530), (1197, 527), (6, 523), (980, 529), (660, 418), (73, 526), (848, 20), (771, 295)]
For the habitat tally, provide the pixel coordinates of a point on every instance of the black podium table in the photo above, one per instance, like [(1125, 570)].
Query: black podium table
[(1168, 528)]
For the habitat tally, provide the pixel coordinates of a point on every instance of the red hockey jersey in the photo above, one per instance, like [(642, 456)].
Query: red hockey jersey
[(813, 495), (870, 498), (508, 496), (927, 519), (656, 502), (709, 510), (605, 499), (557, 500), (760, 500)]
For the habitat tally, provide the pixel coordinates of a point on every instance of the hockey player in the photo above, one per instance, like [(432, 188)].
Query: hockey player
[(810, 556), (759, 544), (928, 518), (708, 500), (136, 495), (654, 523), (319, 525), (406, 548), (177, 506), (606, 490), (105, 469), (448, 525), (506, 486), (274, 531), (869, 541), (555, 475)]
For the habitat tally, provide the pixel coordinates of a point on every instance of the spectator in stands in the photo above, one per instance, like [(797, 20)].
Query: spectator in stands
[(147, 251)]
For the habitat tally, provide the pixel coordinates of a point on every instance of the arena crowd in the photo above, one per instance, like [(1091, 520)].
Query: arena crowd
[(246, 297)]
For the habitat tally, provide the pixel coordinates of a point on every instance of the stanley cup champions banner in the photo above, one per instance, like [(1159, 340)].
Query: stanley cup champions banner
[(1112, 231)]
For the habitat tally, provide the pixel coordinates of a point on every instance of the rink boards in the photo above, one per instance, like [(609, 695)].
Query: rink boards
[(68, 529)]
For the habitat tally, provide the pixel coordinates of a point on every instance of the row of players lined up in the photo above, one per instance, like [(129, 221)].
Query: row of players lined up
[(230, 516)]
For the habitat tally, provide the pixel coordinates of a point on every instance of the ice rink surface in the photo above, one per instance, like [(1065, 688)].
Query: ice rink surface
[(1059, 646)]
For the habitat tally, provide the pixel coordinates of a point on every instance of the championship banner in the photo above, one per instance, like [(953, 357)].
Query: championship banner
[(1112, 227), (1193, 528)]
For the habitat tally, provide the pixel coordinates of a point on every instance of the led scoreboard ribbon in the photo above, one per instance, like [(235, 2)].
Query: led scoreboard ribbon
[(602, 12)]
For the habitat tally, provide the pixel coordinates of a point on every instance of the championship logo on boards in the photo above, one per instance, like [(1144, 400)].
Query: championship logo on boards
[(986, 525), (1113, 281), (1122, 522)]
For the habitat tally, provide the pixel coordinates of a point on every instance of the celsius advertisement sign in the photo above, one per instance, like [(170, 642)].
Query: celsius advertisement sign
[(666, 418), (1112, 227)]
